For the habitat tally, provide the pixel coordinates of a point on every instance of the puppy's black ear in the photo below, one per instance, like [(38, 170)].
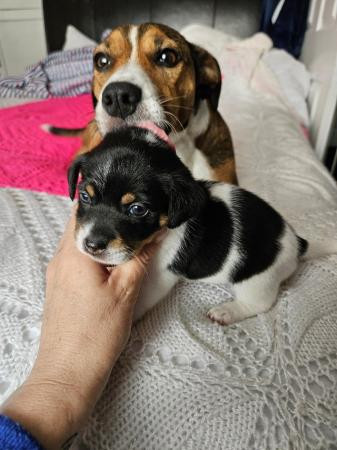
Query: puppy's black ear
[(73, 173), (186, 198), (208, 75)]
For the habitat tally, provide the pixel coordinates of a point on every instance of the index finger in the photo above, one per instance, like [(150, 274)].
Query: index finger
[(68, 234)]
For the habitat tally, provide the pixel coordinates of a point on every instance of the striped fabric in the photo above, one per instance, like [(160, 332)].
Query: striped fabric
[(60, 74)]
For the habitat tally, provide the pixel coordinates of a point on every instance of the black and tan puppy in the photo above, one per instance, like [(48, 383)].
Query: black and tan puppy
[(133, 184), (150, 72)]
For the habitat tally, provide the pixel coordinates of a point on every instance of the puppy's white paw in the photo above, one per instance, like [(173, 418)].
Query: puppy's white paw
[(221, 314), (229, 312)]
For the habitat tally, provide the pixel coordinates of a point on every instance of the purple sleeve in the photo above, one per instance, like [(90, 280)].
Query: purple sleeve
[(14, 437)]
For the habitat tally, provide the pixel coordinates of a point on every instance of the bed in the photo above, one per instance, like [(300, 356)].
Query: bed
[(269, 382)]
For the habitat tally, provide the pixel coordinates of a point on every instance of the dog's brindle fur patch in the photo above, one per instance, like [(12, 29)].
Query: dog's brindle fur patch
[(176, 87), (217, 146)]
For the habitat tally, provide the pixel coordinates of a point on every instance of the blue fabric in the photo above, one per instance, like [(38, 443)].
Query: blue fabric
[(289, 29), (14, 437)]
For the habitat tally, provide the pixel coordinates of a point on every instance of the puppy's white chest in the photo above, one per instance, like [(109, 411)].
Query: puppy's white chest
[(159, 280)]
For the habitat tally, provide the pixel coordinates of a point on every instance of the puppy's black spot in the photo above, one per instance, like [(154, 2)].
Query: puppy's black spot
[(206, 243), (261, 228), (302, 245)]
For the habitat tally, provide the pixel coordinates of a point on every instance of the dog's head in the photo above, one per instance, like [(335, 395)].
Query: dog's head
[(132, 185), (150, 72)]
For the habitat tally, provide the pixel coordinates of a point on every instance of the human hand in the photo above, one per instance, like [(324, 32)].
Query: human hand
[(86, 324)]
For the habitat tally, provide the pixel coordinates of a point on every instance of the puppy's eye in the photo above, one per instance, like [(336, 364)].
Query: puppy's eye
[(102, 61), (137, 210), (167, 57), (84, 197)]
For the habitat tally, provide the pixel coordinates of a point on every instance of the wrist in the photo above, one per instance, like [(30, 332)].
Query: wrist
[(46, 410)]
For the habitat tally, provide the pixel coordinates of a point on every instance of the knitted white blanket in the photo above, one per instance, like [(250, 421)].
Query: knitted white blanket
[(184, 382)]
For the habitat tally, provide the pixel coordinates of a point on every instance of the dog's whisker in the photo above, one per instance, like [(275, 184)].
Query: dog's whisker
[(173, 105), (176, 118), (162, 98), (173, 98), (170, 125), (165, 122), (179, 107)]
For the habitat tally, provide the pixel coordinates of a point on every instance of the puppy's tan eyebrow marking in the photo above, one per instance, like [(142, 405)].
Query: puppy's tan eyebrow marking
[(90, 189), (163, 220), (127, 198)]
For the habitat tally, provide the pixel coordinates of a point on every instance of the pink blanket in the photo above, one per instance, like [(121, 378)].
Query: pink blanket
[(32, 159)]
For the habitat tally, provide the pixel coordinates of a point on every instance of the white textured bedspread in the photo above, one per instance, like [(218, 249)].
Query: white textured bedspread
[(184, 382)]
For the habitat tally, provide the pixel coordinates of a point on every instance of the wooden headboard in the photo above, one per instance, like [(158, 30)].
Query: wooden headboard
[(240, 17)]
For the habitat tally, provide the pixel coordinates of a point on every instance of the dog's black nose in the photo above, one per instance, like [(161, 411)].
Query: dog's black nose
[(121, 99), (95, 245)]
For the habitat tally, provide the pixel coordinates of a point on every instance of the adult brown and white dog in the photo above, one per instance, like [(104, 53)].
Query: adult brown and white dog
[(150, 72)]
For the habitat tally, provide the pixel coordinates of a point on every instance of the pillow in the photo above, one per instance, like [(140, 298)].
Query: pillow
[(293, 78), (211, 39), (75, 39), (237, 58)]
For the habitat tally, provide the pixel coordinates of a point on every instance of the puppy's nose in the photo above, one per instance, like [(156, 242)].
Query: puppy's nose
[(121, 99), (95, 245)]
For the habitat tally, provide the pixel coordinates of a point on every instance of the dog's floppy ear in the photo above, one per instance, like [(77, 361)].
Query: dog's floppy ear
[(73, 173), (208, 75), (186, 198)]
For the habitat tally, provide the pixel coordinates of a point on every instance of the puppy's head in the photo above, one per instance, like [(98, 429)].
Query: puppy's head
[(131, 186), (150, 72)]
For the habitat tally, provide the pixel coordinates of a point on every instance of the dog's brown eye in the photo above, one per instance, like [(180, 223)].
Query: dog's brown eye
[(102, 61), (137, 210), (167, 57)]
